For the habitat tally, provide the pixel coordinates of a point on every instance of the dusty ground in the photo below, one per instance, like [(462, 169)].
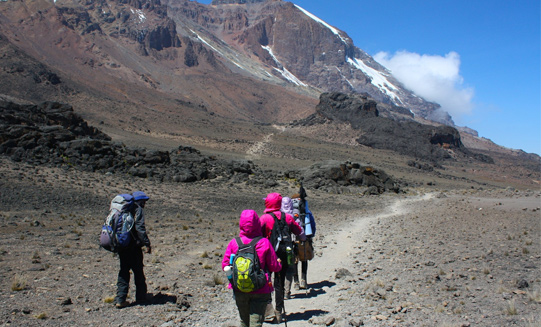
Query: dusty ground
[(423, 258)]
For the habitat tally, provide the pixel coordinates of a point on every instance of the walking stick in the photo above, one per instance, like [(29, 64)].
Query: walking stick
[(285, 316), (306, 277)]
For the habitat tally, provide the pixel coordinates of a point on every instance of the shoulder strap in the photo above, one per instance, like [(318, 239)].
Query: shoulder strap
[(282, 217), (252, 243), (281, 223), (239, 242), (255, 240)]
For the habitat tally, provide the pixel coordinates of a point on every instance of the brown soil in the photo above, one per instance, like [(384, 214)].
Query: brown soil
[(424, 258)]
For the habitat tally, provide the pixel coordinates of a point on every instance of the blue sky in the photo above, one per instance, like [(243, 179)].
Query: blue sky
[(480, 59)]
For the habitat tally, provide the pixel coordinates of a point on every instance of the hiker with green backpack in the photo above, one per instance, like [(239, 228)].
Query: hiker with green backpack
[(278, 226), (248, 261)]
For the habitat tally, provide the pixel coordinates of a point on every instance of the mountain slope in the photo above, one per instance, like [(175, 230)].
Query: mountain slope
[(300, 48), (181, 71), (129, 55)]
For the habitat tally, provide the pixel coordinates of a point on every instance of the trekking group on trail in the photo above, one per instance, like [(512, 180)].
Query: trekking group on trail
[(272, 243), (266, 245)]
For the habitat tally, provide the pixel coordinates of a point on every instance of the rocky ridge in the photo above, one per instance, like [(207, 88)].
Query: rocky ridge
[(52, 134), (427, 142)]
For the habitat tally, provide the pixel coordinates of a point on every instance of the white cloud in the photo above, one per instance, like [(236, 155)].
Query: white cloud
[(432, 77)]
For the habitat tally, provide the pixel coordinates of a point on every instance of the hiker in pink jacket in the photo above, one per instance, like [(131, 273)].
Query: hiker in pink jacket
[(273, 204), (252, 305)]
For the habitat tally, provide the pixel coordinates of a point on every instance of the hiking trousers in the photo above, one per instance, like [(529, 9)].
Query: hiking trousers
[(279, 286), (252, 308), (131, 259)]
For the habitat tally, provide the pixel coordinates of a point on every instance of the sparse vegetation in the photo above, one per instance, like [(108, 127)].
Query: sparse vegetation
[(534, 295), (511, 308), (41, 316), (218, 280), (19, 283)]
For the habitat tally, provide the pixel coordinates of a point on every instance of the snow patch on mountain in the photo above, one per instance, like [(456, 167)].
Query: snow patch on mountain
[(140, 14), (377, 78), (282, 70), (216, 50), (319, 20)]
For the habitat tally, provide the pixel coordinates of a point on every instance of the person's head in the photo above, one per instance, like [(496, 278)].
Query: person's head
[(287, 205), (273, 202), (249, 224), (140, 197)]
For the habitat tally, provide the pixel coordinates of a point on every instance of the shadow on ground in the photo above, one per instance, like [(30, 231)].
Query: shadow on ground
[(313, 290), (304, 316)]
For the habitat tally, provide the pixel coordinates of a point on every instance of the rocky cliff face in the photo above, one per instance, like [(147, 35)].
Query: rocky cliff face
[(238, 2), (407, 137), (304, 51)]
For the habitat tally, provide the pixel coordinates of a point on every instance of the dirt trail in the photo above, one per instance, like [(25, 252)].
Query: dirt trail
[(336, 253), (258, 148)]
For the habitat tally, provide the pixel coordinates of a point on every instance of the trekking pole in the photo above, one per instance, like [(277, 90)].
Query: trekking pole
[(306, 277), (285, 316)]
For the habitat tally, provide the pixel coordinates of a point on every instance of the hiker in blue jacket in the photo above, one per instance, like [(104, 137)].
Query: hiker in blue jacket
[(131, 258)]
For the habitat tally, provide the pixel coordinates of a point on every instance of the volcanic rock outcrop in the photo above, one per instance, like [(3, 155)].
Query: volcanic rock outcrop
[(51, 134), (426, 142)]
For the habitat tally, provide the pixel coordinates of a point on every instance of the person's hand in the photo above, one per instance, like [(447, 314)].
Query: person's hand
[(148, 249), (279, 260)]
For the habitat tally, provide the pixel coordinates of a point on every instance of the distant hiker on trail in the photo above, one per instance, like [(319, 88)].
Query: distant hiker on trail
[(278, 226), (308, 223), (251, 301), (131, 257), (292, 274)]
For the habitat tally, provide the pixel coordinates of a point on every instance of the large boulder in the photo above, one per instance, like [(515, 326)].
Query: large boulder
[(334, 175)]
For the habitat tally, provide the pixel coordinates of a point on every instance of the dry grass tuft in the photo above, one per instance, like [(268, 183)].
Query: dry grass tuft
[(19, 283), (511, 308), (41, 316), (534, 295), (218, 280)]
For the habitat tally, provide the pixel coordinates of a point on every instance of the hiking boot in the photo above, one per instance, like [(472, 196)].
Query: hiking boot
[(288, 295), (269, 313), (278, 317), (296, 286), (303, 284), (123, 304)]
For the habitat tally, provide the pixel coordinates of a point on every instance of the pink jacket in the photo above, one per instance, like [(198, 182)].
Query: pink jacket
[(273, 203), (250, 228)]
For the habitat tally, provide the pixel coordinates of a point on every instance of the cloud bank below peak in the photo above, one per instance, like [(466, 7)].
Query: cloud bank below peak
[(435, 78)]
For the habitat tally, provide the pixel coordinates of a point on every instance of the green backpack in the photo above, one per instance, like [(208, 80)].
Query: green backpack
[(247, 273)]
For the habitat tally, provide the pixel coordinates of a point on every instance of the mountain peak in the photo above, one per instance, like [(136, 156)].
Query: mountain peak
[(235, 2)]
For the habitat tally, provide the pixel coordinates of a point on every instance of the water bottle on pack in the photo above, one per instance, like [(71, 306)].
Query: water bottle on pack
[(289, 252), (228, 272)]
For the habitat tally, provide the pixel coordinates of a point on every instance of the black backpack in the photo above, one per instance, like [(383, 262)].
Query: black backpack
[(281, 236)]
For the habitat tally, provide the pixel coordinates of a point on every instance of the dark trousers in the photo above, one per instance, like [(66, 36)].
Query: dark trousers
[(131, 259), (251, 308), (279, 281), (304, 268)]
